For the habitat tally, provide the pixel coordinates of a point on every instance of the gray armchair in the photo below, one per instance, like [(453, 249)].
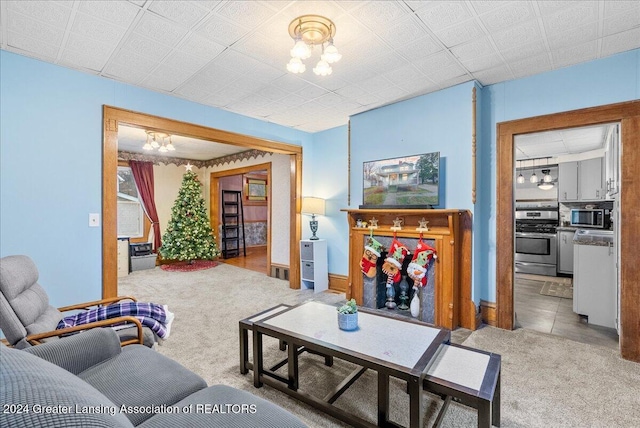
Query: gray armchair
[(27, 318), (89, 380)]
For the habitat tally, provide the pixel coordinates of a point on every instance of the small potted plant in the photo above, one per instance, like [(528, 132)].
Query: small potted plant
[(348, 316)]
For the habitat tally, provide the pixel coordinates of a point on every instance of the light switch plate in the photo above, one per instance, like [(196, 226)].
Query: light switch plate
[(94, 220)]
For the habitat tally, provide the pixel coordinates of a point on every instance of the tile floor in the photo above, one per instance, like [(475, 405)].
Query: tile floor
[(554, 315)]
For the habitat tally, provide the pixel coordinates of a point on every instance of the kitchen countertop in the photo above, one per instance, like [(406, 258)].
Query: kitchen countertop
[(601, 238)]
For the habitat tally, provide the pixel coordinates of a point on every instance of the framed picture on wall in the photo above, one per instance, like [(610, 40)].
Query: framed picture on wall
[(256, 190)]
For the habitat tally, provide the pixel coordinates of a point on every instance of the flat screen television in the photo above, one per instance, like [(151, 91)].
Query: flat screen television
[(404, 182)]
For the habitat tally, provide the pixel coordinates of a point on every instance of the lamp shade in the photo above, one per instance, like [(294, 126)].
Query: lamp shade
[(312, 206)]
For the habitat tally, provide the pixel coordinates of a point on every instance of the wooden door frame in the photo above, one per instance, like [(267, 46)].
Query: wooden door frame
[(113, 116), (628, 115), (214, 192)]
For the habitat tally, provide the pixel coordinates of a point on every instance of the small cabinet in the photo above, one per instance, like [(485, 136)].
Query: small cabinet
[(314, 265), (612, 164), (568, 181), (565, 251), (581, 180)]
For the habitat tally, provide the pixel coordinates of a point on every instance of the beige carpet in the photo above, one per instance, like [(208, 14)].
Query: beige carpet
[(546, 380)]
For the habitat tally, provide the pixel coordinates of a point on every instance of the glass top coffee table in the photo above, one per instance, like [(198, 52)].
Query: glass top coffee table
[(390, 346)]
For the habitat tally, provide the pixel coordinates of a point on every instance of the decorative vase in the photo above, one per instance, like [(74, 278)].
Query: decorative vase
[(391, 297), (347, 322), (404, 287), (415, 303)]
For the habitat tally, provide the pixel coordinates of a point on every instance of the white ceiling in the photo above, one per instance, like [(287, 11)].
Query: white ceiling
[(560, 143), (232, 54)]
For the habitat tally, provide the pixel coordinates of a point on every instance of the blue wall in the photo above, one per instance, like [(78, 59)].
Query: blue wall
[(51, 160), (606, 81)]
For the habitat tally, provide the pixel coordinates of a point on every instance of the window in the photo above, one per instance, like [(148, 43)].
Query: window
[(130, 212)]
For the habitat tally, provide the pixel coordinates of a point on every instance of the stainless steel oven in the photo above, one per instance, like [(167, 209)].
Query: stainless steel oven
[(536, 240)]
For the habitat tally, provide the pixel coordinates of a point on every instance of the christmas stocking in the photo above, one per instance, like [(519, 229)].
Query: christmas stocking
[(370, 257), (393, 262), (417, 269)]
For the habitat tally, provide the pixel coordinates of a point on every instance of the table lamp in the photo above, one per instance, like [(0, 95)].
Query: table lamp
[(313, 206)]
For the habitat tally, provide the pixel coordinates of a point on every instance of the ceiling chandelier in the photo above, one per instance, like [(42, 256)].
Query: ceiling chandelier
[(158, 140), (308, 31)]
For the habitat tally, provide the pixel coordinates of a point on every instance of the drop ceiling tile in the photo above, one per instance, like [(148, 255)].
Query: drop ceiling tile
[(527, 32), (222, 31), (209, 4), (619, 7), (548, 7), (187, 63), (266, 73), (531, 65), (160, 29), (273, 93), (622, 22), (391, 93), (375, 84), (292, 100), (256, 100), (134, 61), (185, 13), (54, 14), (581, 14), (145, 47), (442, 14), (434, 62), (406, 73), (376, 14), (86, 46), (483, 62), (329, 100), (329, 9), (89, 26), (289, 83), (246, 13), (510, 14), (460, 33), (421, 86), (621, 42), (125, 72), (121, 13), (473, 49), (201, 47), (31, 45), (367, 99), (574, 36), (310, 92), (575, 54), (348, 29), (359, 51), (34, 29), (422, 47), (524, 51), (166, 79), (484, 6), (246, 83), (402, 32), (453, 82), (446, 73), (330, 83), (193, 90)]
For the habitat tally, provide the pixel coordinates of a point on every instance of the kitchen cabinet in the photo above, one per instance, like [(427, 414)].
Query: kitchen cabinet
[(565, 251), (581, 180), (568, 181)]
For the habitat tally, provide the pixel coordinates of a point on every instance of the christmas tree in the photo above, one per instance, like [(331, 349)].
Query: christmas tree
[(188, 235)]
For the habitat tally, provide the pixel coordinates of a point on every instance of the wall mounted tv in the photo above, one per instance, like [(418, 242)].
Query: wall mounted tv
[(404, 182)]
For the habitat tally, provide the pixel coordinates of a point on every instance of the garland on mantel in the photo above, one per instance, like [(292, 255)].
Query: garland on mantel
[(157, 160)]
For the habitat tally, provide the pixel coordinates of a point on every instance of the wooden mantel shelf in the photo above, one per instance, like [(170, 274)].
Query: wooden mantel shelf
[(451, 231)]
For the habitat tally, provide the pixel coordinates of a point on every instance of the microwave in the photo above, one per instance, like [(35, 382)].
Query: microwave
[(590, 218)]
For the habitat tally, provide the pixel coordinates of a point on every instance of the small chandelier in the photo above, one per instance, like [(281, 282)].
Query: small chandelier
[(158, 140), (308, 31)]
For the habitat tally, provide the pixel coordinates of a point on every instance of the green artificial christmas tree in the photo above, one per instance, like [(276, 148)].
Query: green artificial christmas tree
[(188, 235)]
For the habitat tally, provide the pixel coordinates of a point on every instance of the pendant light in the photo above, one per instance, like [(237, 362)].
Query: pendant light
[(534, 178), (520, 178), (547, 177)]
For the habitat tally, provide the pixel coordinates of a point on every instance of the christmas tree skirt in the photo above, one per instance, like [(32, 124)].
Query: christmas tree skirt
[(186, 267)]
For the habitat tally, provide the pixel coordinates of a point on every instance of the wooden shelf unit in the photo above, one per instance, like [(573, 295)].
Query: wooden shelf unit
[(451, 231)]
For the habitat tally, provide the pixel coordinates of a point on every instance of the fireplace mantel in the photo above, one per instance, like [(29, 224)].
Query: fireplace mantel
[(451, 231)]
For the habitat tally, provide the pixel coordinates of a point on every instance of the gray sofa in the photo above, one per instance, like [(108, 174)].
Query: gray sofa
[(89, 380)]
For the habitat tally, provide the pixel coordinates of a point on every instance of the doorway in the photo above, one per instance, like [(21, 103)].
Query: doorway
[(628, 114), (113, 116), (256, 216)]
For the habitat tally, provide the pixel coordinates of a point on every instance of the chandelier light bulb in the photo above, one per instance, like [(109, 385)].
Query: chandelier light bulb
[(163, 149), (147, 146), (534, 178), (300, 50), (154, 143), (331, 53), (322, 68), (296, 66), (170, 146)]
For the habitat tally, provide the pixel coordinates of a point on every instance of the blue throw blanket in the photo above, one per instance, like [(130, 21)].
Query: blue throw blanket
[(151, 315)]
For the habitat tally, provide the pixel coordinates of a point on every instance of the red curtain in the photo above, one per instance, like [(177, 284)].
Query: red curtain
[(143, 176)]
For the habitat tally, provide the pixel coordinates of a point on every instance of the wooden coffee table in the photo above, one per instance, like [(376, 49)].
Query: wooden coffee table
[(390, 346)]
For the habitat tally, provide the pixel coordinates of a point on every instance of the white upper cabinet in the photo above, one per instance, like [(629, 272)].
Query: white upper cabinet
[(612, 163), (581, 180)]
